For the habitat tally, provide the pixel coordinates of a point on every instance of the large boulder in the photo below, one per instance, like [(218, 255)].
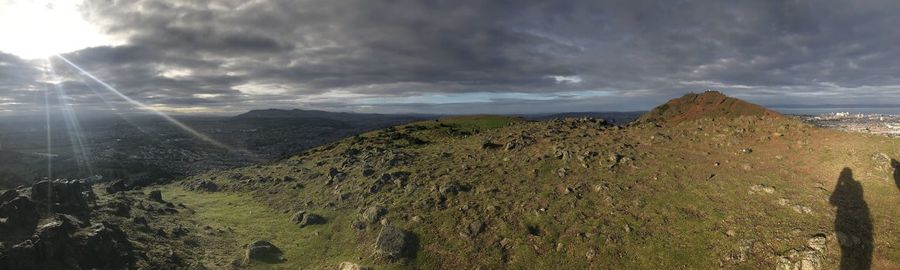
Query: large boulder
[(263, 251), (61, 197), (18, 218), (392, 243)]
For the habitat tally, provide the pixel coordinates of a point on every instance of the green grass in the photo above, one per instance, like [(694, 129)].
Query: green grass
[(311, 247)]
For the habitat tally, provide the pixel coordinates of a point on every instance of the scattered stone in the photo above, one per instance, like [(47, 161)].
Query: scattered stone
[(800, 209), (392, 243), (263, 251), (475, 227), (730, 233), (311, 219), (762, 188)]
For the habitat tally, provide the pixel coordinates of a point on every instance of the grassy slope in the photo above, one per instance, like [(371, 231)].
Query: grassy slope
[(665, 205)]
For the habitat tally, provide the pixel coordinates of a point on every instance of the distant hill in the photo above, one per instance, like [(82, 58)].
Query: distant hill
[(308, 114), (705, 105)]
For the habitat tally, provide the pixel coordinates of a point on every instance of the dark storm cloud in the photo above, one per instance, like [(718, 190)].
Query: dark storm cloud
[(233, 55)]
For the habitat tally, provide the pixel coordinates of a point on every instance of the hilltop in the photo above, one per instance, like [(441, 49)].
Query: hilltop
[(732, 189), (708, 104)]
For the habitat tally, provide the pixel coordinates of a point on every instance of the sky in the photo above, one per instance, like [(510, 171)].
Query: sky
[(449, 57)]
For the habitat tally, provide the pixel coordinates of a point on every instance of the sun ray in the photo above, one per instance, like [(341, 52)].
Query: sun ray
[(143, 106), (114, 108), (73, 128)]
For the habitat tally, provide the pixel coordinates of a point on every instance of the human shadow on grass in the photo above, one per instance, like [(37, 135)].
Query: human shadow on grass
[(896, 165), (853, 222)]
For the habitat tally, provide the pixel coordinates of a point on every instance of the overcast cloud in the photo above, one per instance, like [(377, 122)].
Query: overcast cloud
[(457, 56)]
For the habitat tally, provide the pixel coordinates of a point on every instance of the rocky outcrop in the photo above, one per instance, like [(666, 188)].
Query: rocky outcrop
[(62, 197), (64, 243), (18, 218)]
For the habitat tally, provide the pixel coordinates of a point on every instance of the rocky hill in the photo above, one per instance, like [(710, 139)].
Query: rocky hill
[(735, 189), (708, 104)]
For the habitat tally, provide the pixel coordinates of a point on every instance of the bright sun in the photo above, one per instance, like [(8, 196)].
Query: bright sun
[(40, 28)]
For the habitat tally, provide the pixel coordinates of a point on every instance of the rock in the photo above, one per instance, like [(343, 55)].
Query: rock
[(368, 171), (510, 146), (373, 214), (155, 196), (8, 195), (116, 187), (119, 207), (450, 188), (311, 219), (490, 145), (818, 242), (475, 228), (392, 243), (205, 185), (352, 266), (762, 188), (800, 209), (561, 172), (61, 197), (103, 246), (335, 175), (263, 251), (18, 218), (298, 217)]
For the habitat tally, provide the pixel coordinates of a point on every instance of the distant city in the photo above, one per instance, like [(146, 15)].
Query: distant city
[(873, 123)]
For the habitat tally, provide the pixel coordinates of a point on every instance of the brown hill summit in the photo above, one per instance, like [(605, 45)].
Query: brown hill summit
[(709, 104)]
